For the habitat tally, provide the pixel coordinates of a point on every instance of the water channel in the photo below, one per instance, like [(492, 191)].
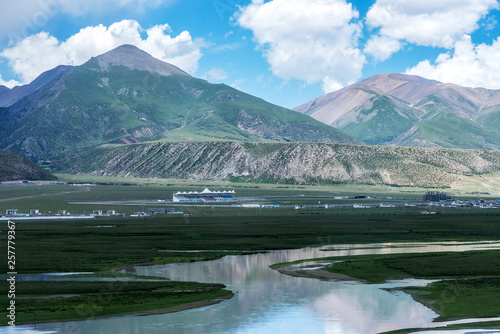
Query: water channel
[(266, 301)]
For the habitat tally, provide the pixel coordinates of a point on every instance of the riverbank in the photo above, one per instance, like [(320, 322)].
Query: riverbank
[(460, 298), (467, 286), (49, 301), (319, 274)]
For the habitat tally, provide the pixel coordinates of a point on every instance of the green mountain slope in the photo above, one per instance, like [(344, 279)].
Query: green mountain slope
[(445, 129), (380, 121), (14, 167), (286, 163), (397, 109), (126, 96)]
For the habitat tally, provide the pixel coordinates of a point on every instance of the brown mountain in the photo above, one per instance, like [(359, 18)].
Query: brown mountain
[(398, 109)]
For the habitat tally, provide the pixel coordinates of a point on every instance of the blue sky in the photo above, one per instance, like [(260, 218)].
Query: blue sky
[(284, 51)]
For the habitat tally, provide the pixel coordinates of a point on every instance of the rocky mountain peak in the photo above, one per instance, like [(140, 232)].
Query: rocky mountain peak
[(134, 58), (406, 87)]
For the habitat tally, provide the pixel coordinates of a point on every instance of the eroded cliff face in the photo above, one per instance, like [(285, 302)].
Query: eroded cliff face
[(299, 163)]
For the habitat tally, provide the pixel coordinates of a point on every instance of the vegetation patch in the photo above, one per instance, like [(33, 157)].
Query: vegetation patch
[(428, 265), (46, 301), (460, 298)]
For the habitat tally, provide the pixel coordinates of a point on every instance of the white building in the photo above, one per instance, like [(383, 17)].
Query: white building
[(11, 212), (205, 196)]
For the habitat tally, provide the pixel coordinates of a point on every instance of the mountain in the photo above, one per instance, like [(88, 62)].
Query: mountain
[(10, 96), (398, 109), (126, 96), (133, 58), (14, 167), (286, 163)]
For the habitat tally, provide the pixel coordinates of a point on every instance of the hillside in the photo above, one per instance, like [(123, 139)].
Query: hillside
[(286, 163), (397, 109), (15, 167), (127, 96)]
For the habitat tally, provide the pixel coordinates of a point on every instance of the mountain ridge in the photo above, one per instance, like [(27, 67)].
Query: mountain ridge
[(285, 163), (126, 96), (9, 96), (415, 108)]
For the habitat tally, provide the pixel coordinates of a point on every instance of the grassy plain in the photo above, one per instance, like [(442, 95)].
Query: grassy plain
[(87, 246), (44, 301), (103, 244), (381, 268)]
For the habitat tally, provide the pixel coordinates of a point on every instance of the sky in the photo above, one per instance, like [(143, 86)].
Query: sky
[(285, 51)]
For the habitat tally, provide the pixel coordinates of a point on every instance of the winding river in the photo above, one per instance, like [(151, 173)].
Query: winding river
[(266, 301)]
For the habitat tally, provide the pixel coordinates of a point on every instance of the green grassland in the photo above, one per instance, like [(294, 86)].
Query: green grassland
[(44, 301), (461, 298), (212, 227), (378, 269), (87, 246), (485, 184)]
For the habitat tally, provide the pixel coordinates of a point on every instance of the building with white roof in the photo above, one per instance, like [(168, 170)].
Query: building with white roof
[(206, 195)]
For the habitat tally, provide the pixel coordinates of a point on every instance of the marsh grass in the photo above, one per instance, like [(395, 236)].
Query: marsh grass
[(44, 301)]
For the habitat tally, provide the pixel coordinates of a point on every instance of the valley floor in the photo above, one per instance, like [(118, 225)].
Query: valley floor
[(107, 243)]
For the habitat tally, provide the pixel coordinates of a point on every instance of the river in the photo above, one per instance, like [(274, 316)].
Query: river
[(267, 301)]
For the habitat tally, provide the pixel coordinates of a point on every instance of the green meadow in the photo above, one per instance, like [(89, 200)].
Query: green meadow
[(104, 244)]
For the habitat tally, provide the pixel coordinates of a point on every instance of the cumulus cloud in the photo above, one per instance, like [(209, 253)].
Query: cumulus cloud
[(19, 19), (469, 65), (424, 22), (217, 74), (41, 52), (9, 84), (310, 40), (382, 47)]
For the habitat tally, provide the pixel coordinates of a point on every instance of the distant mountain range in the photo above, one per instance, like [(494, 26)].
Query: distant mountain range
[(405, 110), (126, 113), (127, 96), (13, 167)]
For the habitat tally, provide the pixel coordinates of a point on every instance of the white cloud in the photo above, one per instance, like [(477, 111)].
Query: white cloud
[(217, 74), (382, 47), (310, 40), (237, 83), (469, 65), (9, 84), (424, 22), (41, 52), (20, 19)]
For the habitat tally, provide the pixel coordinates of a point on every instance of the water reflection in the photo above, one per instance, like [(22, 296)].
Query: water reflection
[(266, 301)]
